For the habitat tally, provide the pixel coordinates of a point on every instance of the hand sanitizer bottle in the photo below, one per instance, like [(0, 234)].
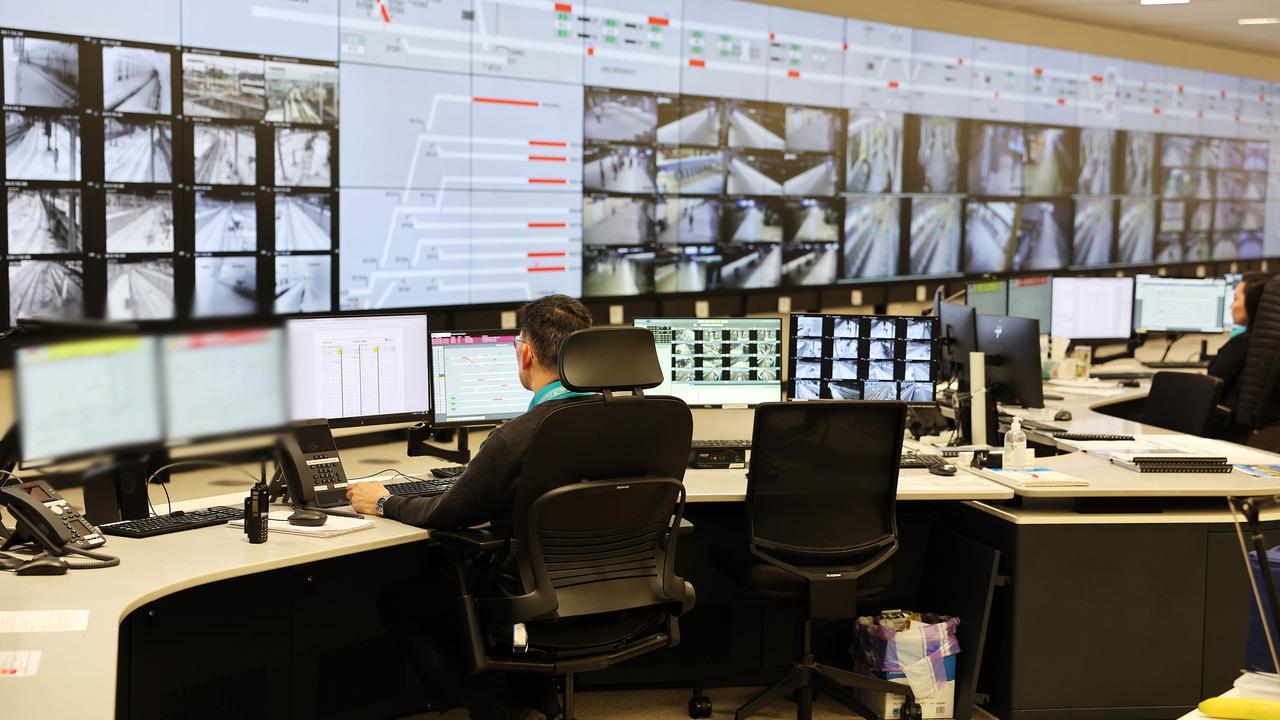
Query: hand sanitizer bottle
[(1015, 446)]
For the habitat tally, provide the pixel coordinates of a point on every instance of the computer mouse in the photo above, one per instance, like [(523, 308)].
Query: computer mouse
[(43, 566), (943, 469), (308, 518), (1062, 415)]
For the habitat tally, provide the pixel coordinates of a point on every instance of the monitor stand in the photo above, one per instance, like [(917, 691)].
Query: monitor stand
[(420, 435), (117, 490)]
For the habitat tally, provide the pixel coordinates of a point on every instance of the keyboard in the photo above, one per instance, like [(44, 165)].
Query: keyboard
[(449, 471), (165, 524), (912, 460), (1093, 437), (1177, 364), (1042, 427), (745, 444), (433, 486), (1119, 375)]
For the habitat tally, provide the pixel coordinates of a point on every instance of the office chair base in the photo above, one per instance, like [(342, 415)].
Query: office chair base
[(801, 683)]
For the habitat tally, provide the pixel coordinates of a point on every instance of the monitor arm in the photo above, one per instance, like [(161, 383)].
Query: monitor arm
[(1131, 345), (420, 435)]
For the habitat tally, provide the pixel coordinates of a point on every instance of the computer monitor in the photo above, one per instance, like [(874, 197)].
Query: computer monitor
[(990, 297), (1032, 297), (863, 357), (718, 361), (82, 397), (1012, 347), (1092, 308), (1177, 305), (476, 377), (1230, 280), (222, 383), (359, 369), (959, 334)]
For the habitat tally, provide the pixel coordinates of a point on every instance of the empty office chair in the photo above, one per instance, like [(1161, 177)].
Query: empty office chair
[(821, 498), (1256, 417), (596, 515), (1183, 402)]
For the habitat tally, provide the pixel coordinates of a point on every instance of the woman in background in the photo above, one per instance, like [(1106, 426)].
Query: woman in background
[(1229, 362)]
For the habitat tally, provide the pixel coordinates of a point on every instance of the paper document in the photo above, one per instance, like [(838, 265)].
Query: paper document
[(278, 522), (33, 621), (19, 663), (1032, 477)]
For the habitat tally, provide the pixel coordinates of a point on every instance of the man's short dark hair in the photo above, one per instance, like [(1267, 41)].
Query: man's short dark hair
[(547, 321)]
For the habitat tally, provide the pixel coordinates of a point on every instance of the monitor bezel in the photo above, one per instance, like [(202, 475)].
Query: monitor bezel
[(782, 384), (364, 420), (935, 353)]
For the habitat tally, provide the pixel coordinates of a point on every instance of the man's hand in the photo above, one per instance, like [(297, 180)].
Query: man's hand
[(364, 495)]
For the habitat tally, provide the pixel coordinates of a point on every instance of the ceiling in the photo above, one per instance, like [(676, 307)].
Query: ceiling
[(1207, 22)]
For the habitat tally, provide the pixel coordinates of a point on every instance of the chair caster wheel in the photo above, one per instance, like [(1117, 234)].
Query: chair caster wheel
[(699, 706), (911, 711)]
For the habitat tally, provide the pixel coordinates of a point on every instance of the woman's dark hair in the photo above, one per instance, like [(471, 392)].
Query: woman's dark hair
[(1253, 284)]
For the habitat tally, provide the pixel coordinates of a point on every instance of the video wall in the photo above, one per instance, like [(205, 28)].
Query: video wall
[(180, 159)]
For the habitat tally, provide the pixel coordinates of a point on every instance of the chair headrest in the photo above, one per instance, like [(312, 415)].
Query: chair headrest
[(609, 358)]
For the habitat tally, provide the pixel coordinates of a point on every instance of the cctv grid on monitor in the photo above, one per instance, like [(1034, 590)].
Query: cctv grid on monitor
[(855, 357), (837, 150), (719, 361)]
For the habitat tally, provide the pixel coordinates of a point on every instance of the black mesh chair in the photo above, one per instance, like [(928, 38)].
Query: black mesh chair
[(588, 568), (1182, 402), (821, 496)]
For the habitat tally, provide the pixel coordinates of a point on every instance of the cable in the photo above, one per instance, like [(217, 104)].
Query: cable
[(187, 463), (10, 476), (399, 473), (100, 561)]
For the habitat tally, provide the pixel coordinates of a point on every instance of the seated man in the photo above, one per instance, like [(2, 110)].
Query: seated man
[(418, 614)]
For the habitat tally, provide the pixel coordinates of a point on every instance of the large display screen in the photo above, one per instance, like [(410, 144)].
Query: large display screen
[(177, 159)]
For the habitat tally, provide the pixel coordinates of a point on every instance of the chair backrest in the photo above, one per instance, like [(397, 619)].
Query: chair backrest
[(823, 482), (1256, 403), (1183, 402), (601, 485)]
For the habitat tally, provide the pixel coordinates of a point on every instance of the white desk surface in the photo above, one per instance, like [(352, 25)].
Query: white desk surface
[(79, 668)]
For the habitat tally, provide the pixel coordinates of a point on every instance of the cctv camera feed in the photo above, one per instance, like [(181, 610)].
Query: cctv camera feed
[(376, 168), (718, 361), (863, 357)]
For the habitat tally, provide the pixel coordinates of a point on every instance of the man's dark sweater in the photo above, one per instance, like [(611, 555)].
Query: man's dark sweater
[(488, 487)]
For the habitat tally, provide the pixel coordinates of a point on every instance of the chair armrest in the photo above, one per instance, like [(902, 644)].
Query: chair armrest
[(470, 540), (684, 528)]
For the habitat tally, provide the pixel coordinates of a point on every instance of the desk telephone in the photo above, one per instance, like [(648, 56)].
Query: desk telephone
[(42, 516), (307, 458)]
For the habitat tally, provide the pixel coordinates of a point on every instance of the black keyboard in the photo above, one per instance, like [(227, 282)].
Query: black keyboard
[(746, 444), (1118, 375), (912, 460), (165, 524), (1093, 437), (1042, 427), (448, 471), (1177, 364), (433, 486)]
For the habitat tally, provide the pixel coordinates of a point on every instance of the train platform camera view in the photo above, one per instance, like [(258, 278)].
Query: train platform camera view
[(863, 357), (190, 160), (718, 361)]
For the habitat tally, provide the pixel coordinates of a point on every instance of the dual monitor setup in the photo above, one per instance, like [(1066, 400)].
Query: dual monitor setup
[(1110, 308)]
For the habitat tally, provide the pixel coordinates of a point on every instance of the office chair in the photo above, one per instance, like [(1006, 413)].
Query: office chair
[(821, 522), (590, 559), (1183, 402), (1257, 412)]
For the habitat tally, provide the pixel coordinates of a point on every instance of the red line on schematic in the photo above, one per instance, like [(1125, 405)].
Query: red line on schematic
[(548, 158), (507, 101), (557, 268), (386, 16), (548, 143), (548, 254)]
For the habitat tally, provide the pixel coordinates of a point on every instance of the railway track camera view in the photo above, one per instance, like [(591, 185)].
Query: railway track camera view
[(41, 72), (45, 221), (46, 288), (300, 93), (41, 146), (138, 151), (304, 221), (140, 289), (136, 80), (139, 222), (225, 154)]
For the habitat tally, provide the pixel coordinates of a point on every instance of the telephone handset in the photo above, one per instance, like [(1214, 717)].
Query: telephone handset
[(42, 516), (308, 458)]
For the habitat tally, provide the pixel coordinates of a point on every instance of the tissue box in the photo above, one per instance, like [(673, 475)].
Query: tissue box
[(941, 704)]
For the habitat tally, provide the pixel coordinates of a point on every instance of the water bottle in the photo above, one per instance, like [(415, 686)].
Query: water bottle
[(1015, 446)]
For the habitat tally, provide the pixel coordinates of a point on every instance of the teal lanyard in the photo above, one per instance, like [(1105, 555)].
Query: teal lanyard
[(553, 391)]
